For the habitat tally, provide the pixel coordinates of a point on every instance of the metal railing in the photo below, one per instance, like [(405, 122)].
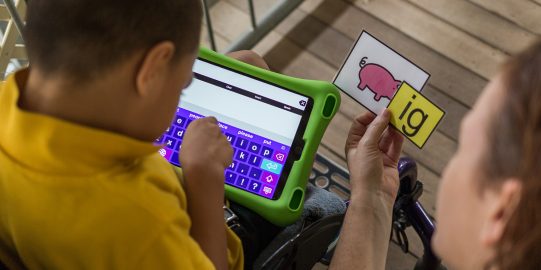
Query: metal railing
[(12, 51), (259, 28)]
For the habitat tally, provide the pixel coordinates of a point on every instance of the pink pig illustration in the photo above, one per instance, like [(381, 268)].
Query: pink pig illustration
[(379, 80)]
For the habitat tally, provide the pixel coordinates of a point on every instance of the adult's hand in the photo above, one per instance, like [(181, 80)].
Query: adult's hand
[(372, 151)]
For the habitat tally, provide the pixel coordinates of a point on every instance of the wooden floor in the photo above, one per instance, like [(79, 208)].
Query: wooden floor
[(460, 43)]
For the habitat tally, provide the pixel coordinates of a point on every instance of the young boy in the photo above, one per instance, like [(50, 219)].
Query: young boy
[(81, 184)]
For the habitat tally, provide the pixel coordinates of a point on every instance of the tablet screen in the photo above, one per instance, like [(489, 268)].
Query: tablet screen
[(263, 122)]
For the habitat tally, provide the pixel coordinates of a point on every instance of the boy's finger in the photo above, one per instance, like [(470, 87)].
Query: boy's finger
[(212, 119), (376, 128)]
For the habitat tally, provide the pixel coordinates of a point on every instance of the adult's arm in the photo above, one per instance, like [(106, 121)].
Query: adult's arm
[(372, 150)]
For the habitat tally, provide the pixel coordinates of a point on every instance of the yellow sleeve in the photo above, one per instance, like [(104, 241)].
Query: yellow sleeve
[(173, 248), (235, 256)]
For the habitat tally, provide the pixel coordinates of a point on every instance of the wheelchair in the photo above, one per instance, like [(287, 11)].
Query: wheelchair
[(316, 241)]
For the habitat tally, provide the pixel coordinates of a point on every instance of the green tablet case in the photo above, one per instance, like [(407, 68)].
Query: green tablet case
[(326, 100)]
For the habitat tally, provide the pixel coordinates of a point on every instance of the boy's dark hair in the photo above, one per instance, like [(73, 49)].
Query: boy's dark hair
[(84, 38)]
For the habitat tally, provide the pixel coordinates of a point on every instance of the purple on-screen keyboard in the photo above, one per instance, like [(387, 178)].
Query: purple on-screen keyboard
[(257, 161)]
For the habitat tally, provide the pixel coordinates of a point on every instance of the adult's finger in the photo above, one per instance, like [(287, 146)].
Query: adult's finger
[(360, 124), (386, 140), (375, 130), (357, 130), (396, 147)]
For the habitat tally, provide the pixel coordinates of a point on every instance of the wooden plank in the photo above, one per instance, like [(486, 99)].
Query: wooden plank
[(4, 14), (221, 41), (229, 21), (524, 13), (396, 260), (288, 58), (479, 22), (261, 7), (267, 43), (444, 38), (8, 43), (19, 52), (446, 75)]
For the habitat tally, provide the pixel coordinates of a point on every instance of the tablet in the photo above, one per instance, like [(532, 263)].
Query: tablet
[(273, 122), (264, 123)]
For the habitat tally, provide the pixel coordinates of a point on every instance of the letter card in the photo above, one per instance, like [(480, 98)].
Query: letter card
[(378, 77), (373, 72)]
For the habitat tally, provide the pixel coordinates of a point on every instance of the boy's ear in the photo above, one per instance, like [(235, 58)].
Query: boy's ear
[(152, 70), (502, 205)]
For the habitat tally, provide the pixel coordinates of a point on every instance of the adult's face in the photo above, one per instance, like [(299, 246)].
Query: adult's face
[(462, 209)]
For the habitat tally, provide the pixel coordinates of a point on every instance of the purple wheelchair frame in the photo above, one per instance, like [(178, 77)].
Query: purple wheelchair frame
[(408, 211)]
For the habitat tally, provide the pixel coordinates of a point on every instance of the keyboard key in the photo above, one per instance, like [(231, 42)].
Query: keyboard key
[(254, 186), (188, 123), (230, 177), (230, 138), (255, 160), (179, 133), (279, 157), (243, 168), (242, 181), (174, 159), (159, 140), (166, 153), (241, 143), (178, 146), (271, 166), (267, 152), (270, 178), (241, 155), (170, 142), (266, 191), (254, 148), (233, 165), (169, 131), (179, 121), (255, 173)]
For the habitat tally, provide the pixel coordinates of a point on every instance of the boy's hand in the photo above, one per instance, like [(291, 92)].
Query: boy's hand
[(372, 151), (206, 152)]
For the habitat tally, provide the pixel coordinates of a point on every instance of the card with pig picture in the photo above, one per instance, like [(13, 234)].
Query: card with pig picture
[(373, 72)]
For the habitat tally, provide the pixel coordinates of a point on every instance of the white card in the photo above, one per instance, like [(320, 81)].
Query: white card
[(373, 72)]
